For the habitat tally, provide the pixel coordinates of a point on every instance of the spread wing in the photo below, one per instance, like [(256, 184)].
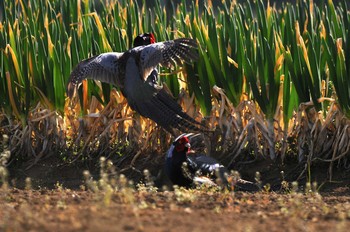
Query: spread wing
[(103, 67), (168, 53)]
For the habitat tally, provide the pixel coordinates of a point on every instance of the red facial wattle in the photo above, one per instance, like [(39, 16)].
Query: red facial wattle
[(152, 39), (183, 144)]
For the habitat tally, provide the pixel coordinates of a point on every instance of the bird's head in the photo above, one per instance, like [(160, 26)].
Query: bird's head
[(144, 39), (182, 144)]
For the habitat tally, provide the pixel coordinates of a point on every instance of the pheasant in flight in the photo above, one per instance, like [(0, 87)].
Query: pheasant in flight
[(134, 72)]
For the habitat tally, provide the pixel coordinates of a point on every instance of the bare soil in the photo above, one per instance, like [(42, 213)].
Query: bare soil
[(67, 206), (181, 210)]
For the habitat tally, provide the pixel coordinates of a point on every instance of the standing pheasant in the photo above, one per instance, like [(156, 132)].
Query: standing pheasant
[(134, 72), (186, 168)]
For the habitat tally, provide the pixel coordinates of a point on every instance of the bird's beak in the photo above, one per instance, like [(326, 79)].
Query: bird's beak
[(190, 152), (188, 145)]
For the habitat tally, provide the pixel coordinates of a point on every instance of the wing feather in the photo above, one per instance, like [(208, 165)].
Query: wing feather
[(103, 67), (168, 54)]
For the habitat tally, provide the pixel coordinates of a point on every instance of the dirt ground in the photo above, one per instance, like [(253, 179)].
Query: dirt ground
[(70, 205), (128, 209)]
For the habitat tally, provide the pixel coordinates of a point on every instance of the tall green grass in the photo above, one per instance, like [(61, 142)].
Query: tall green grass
[(274, 56)]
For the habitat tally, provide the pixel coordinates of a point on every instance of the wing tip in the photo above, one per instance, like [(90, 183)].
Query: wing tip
[(71, 88)]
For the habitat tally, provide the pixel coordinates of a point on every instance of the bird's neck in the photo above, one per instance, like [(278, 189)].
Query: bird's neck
[(179, 157)]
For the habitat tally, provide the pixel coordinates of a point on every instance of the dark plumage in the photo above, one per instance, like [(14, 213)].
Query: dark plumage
[(186, 168), (134, 72)]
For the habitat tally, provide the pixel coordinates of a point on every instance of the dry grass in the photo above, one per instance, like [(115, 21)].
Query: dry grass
[(239, 134)]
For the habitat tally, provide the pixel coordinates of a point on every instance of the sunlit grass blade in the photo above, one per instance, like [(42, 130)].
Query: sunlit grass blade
[(13, 99)]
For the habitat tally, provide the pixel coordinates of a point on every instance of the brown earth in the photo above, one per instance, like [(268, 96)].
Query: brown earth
[(180, 210), (68, 206)]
